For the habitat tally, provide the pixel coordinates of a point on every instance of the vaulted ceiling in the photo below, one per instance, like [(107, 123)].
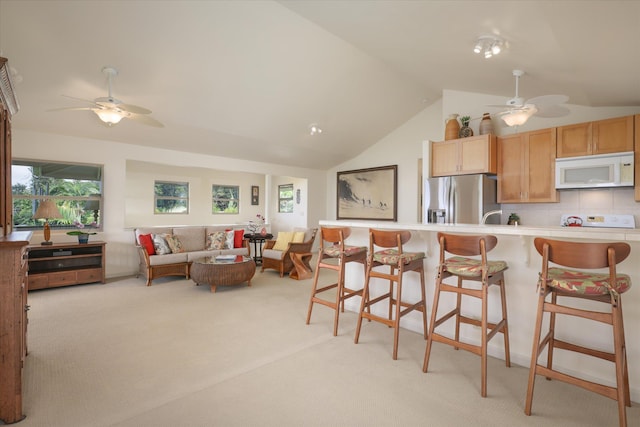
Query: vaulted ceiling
[(245, 79)]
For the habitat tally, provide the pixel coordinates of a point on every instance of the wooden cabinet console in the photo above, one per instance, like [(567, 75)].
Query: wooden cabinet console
[(66, 264), (599, 137), (475, 154), (13, 323)]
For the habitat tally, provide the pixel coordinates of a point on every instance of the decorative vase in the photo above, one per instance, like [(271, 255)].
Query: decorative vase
[(465, 131), (263, 232), (83, 238), (486, 125), (452, 127)]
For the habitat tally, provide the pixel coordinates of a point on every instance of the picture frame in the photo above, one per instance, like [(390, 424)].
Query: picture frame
[(368, 194), (255, 195)]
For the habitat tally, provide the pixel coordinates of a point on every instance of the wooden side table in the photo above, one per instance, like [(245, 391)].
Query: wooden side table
[(301, 269), (258, 240)]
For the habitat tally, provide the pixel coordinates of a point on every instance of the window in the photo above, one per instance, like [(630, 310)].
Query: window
[(226, 199), (76, 189), (171, 197), (285, 198)]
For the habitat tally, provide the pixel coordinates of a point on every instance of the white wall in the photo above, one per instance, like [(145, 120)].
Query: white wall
[(287, 221), (122, 258)]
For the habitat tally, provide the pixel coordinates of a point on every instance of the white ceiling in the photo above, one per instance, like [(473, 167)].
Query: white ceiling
[(244, 79)]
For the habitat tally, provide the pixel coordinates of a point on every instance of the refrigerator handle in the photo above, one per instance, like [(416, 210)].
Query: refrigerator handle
[(451, 200)]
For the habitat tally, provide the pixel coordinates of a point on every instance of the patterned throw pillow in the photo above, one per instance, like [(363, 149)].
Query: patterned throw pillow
[(160, 245), (228, 242), (174, 243), (216, 240)]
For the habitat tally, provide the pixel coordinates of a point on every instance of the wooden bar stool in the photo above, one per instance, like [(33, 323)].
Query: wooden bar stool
[(335, 255), (595, 286), (399, 262), (482, 272)]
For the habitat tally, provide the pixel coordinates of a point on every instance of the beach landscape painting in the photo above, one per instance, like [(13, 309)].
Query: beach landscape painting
[(368, 194)]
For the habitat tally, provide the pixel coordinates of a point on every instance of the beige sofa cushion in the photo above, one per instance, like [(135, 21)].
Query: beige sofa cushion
[(192, 238)]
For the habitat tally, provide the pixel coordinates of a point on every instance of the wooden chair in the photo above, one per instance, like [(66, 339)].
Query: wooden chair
[(335, 255), (592, 285), (465, 269), (281, 260), (390, 254)]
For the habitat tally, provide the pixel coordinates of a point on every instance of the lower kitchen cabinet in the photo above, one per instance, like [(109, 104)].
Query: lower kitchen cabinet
[(66, 264), (526, 167)]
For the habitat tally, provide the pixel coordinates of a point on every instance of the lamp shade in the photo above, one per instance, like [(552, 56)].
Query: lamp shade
[(110, 117), (520, 116), (47, 209)]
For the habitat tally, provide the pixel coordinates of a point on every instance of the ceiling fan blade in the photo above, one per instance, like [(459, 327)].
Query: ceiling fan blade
[(146, 120), (548, 100), (82, 99), (134, 109), (551, 111), (71, 109)]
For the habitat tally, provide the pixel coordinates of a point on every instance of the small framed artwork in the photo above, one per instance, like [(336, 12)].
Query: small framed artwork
[(255, 195), (368, 194)]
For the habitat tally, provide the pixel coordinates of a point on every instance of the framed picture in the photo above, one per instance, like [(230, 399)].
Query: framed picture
[(255, 195), (368, 194)]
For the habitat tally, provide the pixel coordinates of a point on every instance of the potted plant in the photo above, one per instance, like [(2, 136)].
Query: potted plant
[(83, 236), (465, 130)]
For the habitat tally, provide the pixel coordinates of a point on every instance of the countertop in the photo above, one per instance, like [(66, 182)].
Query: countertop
[(618, 234)]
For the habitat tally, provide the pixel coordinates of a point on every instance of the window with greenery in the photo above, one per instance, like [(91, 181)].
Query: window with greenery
[(171, 197), (76, 189), (285, 198), (226, 199)]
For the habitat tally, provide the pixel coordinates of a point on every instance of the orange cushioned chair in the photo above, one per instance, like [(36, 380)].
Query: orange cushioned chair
[(565, 283), (335, 255), (386, 250), (465, 269)]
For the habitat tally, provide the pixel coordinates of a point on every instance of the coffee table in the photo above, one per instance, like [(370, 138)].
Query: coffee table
[(215, 271)]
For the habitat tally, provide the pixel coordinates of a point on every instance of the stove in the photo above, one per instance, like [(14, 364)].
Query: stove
[(600, 221)]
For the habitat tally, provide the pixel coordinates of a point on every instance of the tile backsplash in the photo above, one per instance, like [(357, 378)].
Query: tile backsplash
[(602, 201)]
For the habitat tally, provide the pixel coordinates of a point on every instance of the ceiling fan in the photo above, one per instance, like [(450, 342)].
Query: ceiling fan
[(519, 110), (111, 110)]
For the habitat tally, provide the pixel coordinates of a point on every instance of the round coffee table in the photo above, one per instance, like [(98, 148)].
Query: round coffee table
[(214, 271)]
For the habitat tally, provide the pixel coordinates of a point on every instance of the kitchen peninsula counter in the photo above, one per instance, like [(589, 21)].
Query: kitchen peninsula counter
[(515, 246)]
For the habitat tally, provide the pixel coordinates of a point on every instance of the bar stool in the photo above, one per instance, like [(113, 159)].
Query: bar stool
[(399, 262), (481, 271), (335, 256), (595, 286)]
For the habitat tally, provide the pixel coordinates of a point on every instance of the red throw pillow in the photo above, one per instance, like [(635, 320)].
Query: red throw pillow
[(146, 241), (238, 237)]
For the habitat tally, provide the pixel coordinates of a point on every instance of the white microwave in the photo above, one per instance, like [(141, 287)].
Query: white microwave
[(606, 170)]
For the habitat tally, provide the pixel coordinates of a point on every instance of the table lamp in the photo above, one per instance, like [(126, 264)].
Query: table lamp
[(47, 210)]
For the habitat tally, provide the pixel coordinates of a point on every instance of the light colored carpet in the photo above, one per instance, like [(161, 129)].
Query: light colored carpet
[(174, 354)]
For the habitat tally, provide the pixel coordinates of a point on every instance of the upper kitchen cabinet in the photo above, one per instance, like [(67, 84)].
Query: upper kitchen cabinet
[(600, 137), (475, 154), (526, 167)]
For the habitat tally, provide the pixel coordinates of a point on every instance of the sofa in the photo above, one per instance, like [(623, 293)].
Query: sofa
[(169, 251)]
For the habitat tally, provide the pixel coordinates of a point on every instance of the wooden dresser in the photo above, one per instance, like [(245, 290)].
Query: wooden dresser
[(13, 323)]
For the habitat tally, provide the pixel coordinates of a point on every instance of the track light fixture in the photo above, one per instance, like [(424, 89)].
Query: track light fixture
[(489, 46), (314, 129)]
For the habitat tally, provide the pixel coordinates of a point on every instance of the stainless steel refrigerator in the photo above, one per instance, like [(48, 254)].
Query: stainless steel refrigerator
[(461, 199)]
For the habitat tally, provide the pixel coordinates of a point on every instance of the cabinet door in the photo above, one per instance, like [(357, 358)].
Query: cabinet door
[(511, 168), (444, 158), (637, 158), (574, 140), (540, 161), (478, 155), (613, 135)]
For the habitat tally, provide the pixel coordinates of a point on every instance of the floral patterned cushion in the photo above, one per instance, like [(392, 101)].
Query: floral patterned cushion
[(174, 243), (334, 251), (391, 257), (586, 282), (469, 267), (216, 240), (160, 244)]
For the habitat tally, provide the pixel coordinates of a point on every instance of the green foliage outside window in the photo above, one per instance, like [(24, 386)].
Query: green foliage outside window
[(285, 198), (225, 199), (171, 197)]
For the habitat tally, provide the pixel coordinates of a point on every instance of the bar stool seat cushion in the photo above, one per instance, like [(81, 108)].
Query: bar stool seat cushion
[(391, 256), (586, 282), (334, 251), (469, 267)]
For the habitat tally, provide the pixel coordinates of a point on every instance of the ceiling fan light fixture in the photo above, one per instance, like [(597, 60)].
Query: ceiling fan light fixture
[(489, 46), (110, 117), (520, 116)]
